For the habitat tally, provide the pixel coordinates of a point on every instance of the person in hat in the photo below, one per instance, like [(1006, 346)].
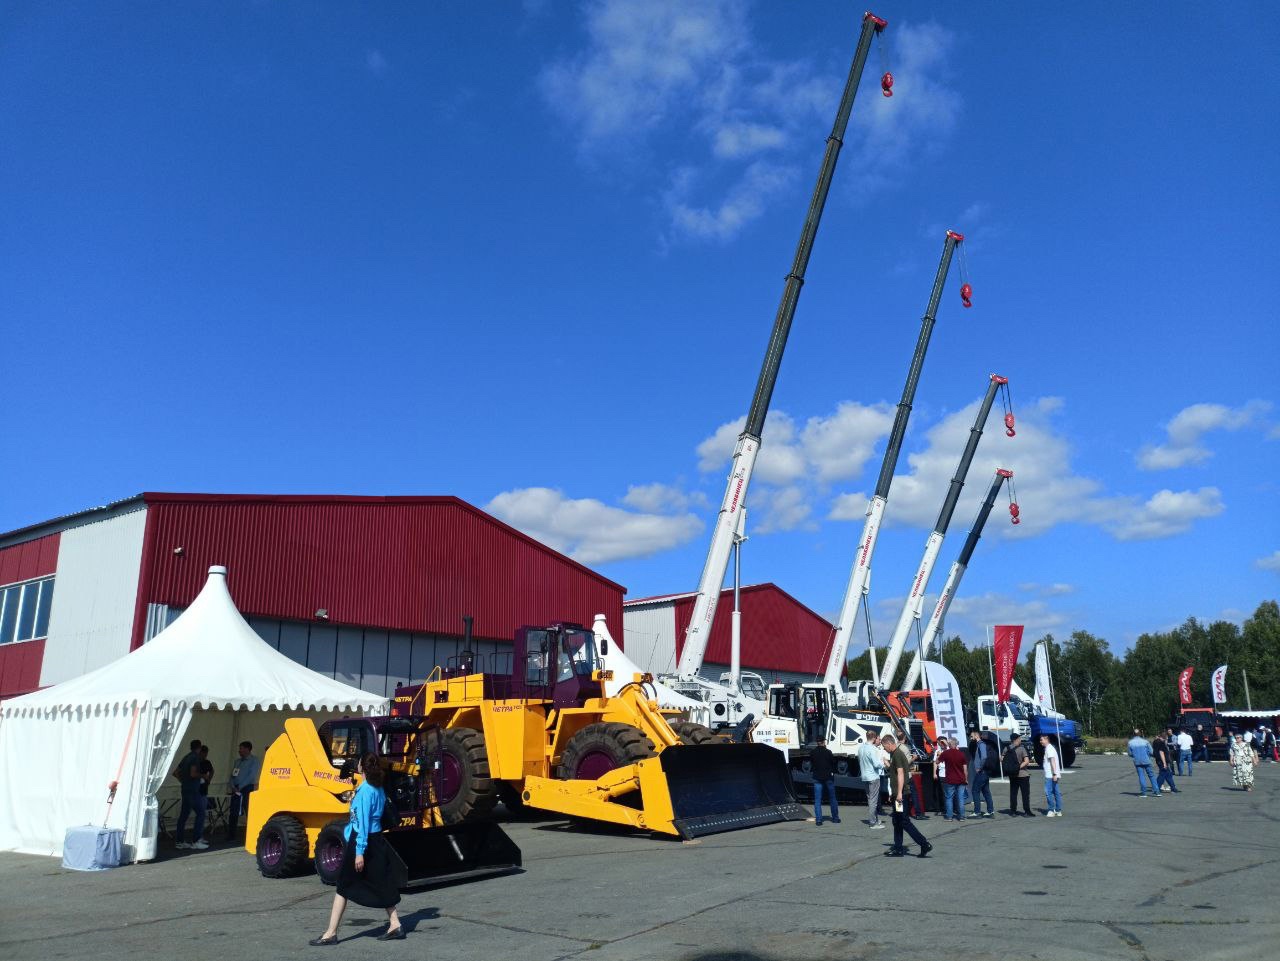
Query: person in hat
[(1017, 768), (822, 767)]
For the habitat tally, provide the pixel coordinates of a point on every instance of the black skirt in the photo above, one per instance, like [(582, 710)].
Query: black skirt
[(384, 874)]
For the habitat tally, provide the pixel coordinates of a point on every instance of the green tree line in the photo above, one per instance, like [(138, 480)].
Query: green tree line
[(1110, 695)]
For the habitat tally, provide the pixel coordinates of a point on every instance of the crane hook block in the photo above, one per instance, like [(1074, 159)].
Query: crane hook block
[(1008, 424), (966, 294), (1013, 512), (886, 84)]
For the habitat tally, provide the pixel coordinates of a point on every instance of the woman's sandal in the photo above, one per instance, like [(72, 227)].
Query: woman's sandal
[(317, 942)]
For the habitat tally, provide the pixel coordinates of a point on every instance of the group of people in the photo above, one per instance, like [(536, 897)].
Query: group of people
[(1156, 760), (194, 774), (885, 767)]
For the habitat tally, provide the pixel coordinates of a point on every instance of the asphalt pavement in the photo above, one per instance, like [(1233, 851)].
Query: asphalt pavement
[(1186, 876)]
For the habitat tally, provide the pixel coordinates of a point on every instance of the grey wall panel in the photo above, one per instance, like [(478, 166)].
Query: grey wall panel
[(649, 636), (268, 630), (399, 649), (322, 648), (374, 673), (96, 588), (293, 641), (350, 655), (422, 657)]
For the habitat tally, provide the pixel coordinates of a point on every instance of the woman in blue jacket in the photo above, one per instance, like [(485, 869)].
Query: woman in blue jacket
[(371, 872)]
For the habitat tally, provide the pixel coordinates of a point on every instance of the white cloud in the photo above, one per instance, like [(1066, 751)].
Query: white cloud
[(1269, 563), (694, 74), (1183, 444), (375, 62), (783, 509), (588, 530), (1163, 514), (970, 615), (662, 498), (1048, 590)]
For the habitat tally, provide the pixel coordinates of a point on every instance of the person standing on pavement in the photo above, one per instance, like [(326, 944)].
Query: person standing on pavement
[(822, 767), (188, 774), (1242, 758), (982, 765), (1164, 761), (1017, 768), (955, 783), (900, 800), (871, 769), (1052, 775), (1140, 751), (1201, 741), (244, 780), (1184, 753)]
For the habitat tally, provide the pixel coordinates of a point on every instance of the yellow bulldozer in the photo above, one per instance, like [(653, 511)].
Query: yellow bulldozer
[(544, 734), (302, 804)]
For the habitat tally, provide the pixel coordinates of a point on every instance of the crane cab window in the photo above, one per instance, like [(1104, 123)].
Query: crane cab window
[(782, 702), (752, 687)]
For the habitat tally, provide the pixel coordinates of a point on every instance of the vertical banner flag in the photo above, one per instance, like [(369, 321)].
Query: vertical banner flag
[(948, 711), (1044, 689), (1220, 685), (1184, 685), (1008, 638)]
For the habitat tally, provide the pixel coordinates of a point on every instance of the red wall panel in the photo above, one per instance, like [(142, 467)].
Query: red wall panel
[(778, 632), (403, 563), (20, 667), (35, 558)]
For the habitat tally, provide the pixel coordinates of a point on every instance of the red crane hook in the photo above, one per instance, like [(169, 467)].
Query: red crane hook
[(1008, 424), (886, 84), (1013, 511), (966, 294)]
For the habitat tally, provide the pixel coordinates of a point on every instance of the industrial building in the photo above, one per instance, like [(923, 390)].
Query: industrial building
[(782, 640), (369, 590)]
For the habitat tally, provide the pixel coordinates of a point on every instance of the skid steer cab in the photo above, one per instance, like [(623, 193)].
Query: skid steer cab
[(537, 729), (300, 810)]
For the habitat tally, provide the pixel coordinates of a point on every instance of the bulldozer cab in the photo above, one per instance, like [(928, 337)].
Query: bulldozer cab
[(556, 664)]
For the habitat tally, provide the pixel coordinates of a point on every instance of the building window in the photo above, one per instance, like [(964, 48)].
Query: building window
[(24, 610)]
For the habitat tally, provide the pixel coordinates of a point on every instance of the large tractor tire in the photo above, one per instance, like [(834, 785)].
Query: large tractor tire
[(331, 848), (600, 748), (693, 733), (282, 847), (466, 789), (1066, 752)]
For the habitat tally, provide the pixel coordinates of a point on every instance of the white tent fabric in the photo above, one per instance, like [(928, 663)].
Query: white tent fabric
[(624, 671), (60, 748)]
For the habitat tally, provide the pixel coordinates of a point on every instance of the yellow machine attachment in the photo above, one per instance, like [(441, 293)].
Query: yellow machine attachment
[(300, 810), (546, 735)]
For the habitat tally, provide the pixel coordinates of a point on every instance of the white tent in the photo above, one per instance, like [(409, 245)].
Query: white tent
[(208, 674), (624, 671)]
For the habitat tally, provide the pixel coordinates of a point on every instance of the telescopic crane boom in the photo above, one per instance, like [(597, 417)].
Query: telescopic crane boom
[(744, 455), (955, 574), (860, 576), (914, 604)]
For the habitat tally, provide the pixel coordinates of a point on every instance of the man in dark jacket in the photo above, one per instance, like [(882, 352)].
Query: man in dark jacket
[(822, 766), (1018, 772), (900, 800)]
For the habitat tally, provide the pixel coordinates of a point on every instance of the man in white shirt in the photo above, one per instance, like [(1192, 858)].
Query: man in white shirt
[(1052, 772), (1184, 752), (871, 769)]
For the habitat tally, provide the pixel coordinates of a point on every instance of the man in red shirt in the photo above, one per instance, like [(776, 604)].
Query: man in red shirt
[(955, 782)]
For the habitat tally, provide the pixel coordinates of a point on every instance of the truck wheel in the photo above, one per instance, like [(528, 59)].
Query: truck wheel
[(331, 848), (1068, 752), (691, 732), (282, 847), (599, 748), (466, 790)]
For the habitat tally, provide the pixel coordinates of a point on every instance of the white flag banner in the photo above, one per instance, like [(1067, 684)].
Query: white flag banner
[(948, 710), (1044, 689), (1220, 685)]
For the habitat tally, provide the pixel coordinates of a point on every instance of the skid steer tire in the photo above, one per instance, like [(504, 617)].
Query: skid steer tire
[(282, 847), (693, 733), (466, 790), (600, 748), (330, 849)]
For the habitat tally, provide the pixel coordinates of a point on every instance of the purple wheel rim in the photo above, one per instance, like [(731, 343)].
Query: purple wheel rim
[(594, 764), (272, 849), (330, 856), (450, 778)]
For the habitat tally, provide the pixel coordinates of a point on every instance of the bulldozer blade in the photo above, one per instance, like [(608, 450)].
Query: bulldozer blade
[(724, 787), (455, 852)]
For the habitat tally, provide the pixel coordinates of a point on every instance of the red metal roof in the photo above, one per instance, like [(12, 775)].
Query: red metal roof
[(403, 563), (778, 632)]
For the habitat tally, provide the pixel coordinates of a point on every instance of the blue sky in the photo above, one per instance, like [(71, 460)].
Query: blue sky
[(529, 254)]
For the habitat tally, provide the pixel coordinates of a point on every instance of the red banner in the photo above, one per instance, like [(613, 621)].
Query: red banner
[(1008, 639), (1184, 685)]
